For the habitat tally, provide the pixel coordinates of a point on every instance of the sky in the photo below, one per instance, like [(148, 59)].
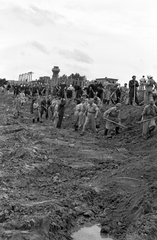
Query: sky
[(95, 38)]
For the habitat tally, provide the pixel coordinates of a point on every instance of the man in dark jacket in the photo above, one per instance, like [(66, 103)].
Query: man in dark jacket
[(43, 108), (61, 109), (133, 85)]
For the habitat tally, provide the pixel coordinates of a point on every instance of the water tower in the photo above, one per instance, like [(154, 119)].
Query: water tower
[(55, 71)]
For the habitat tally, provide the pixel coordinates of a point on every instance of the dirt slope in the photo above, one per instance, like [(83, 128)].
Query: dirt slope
[(52, 181)]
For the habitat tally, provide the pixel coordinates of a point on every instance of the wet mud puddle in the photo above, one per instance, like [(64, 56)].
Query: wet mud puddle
[(90, 233)]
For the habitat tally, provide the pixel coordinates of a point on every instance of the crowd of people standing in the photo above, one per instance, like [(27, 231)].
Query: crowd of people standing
[(88, 102)]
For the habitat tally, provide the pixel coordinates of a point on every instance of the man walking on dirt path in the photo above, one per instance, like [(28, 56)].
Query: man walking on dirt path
[(148, 119), (133, 85), (92, 113), (112, 114)]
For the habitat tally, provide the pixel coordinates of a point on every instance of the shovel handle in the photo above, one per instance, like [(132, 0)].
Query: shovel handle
[(115, 123)]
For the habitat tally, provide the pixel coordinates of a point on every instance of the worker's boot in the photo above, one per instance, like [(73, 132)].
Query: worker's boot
[(117, 130), (33, 120), (151, 129), (37, 119), (106, 132)]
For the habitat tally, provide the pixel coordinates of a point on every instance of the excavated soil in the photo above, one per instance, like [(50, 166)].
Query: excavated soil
[(53, 181)]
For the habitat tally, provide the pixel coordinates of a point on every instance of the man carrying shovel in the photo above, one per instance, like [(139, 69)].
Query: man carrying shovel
[(133, 85), (148, 119), (113, 120)]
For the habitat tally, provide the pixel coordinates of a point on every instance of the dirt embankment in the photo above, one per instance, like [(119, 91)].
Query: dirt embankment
[(54, 180)]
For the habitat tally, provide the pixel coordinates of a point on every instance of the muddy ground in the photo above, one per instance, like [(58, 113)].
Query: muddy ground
[(54, 181)]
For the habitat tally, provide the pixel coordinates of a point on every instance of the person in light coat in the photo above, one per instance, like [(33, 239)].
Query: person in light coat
[(148, 117), (91, 116), (112, 114), (150, 86)]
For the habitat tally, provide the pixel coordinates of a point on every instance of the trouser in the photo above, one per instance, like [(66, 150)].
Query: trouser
[(90, 118), (76, 120), (35, 115), (50, 113), (42, 112), (31, 107), (148, 96), (131, 97), (55, 118), (69, 94), (81, 119), (148, 127), (60, 119)]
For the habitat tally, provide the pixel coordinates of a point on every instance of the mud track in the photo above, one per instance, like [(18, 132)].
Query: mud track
[(54, 181)]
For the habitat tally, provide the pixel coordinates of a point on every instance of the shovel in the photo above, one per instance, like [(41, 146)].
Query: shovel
[(146, 120), (134, 103), (119, 124)]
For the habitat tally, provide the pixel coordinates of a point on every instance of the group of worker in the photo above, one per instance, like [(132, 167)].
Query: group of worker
[(147, 86), (89, 109)]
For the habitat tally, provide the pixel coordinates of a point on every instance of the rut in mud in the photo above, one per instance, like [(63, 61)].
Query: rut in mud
[(54, 181)]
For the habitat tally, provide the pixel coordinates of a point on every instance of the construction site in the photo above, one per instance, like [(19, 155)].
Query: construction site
[(55, 182)]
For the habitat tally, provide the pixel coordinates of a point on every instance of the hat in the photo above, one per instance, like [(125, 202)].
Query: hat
[(133, 76), (118, 105)]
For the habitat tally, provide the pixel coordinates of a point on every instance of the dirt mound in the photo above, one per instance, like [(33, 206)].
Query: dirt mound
[(54, 180)]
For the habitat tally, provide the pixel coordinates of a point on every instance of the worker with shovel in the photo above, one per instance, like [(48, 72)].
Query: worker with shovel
[(113, 119), (148, 119), (133, 85)]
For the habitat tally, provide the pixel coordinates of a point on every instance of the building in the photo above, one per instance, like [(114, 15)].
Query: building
[(106, 80), (44, 80), (25, 77), (55, 76), (72, 81)]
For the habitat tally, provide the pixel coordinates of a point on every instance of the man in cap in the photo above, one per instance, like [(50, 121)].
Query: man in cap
[(91, 114), (133, 85), (142, 83), (112, 114), (148, 118)]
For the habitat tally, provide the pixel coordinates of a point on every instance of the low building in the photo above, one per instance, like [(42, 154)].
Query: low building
[(72, 81), (106, 80), (44, 80)]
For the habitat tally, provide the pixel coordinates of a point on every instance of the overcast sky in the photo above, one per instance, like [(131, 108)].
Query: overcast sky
[(96, 38)]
